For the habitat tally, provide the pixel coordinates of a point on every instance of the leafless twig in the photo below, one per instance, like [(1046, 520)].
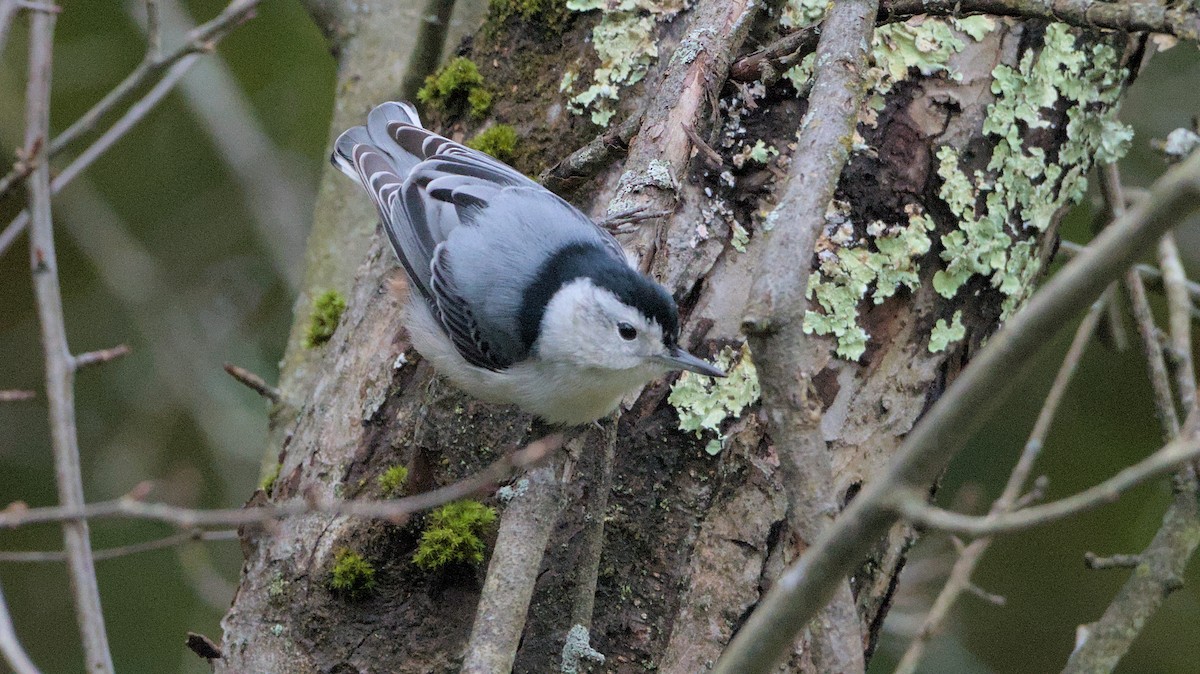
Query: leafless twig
[(911, 504), (253, 382), (10, 646), (197, 42), (101, 356), (805, 587), (1179, 308), (36, 556), (118, 130), (60, 367), (16, 395), (1150, 275), (1094, 561), (130, 507), (970, 555)]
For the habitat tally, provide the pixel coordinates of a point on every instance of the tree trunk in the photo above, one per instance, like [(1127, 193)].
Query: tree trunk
[(973, 143)]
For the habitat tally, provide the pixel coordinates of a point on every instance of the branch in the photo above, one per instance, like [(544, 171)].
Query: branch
[(911, 505), (199, 41), (1152, 276), (592, 158), (959, 579), (805, 587), (8, 11), (253, 382), (60, 367), (1127, 17), (516, 562), (109, 138), (129, 507), (774, 318), (10, 646), (39, 556), (99, 357), (1179, 311), (16, 395)]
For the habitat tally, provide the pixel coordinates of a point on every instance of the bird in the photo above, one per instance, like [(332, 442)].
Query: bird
[(519, 297)]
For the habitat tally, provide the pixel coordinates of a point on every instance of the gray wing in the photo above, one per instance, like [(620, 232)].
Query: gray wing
[(426, 187)]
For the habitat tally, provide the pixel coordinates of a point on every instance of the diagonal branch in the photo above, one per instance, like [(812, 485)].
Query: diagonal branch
[(911, 504), (10, 647), (960, 575), (60, 366), (807, 585), (775, 316)]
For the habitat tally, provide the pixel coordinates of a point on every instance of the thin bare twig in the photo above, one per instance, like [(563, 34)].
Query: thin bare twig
[(253, 382), (99, 357), (39, 556), (805, 587), (199, 41), (1156, 364), (60, 371), (16, 395), (959, 579), (130, 507), (1096, 562), (911, 504), (153, 31), (118, 130), (1179, 310), (8, 10), (10, 646)]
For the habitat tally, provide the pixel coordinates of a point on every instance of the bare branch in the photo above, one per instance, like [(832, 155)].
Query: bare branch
[(99, 357), (1129, 17), (1179, 307), (805, 587), (199, 41), (118, 130), (516, 561), (1094, 561), (129, 507), (911, 505), (10, 646), (1010, 498), (153, 31), (253, 382), (1152, 276), (16, 395), (39, 556), (592, 158), (8, 10), (60, 371)]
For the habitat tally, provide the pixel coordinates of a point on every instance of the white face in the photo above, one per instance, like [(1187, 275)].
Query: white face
[(589, 327)]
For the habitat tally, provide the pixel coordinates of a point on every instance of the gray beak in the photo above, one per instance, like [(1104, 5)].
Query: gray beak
[(678, 359)]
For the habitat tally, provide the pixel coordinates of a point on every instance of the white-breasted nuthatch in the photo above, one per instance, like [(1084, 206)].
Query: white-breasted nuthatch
[(519, 297)]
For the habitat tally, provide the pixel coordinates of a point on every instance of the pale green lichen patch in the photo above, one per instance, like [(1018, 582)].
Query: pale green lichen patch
[(922, 45), (704, 403), (1024, 188), (626, 46), (797, 14), (850, 270), (944, 335)]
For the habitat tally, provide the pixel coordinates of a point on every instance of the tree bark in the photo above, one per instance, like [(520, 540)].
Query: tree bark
[(691, 540)]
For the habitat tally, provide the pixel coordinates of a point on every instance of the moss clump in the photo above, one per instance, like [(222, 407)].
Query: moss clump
[(392, 480), (457, 88), (499, 141), (552, 14), (352, 576), (268, 479), (453, 535), (327, 311)]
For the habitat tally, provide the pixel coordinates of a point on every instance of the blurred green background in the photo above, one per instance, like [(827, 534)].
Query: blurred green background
[(185, 241)]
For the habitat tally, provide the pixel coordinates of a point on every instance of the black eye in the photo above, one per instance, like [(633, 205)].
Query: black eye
[(627, 331)]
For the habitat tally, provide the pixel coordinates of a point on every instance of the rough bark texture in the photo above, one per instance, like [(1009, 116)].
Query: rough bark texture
[(691, 540)]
